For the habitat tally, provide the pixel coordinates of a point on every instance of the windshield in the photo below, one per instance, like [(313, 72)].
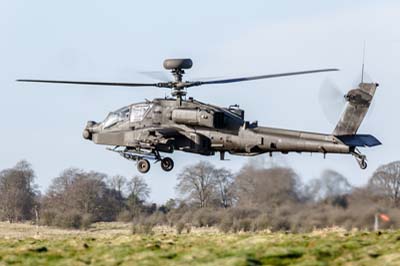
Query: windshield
[(116, 117)]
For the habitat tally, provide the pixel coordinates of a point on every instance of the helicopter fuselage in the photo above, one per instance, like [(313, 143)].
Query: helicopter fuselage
[(142, 131), (168, 125)]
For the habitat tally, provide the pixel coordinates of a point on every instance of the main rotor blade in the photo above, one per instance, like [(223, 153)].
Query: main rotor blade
[(232, 80), (157, 75), (92, 83)]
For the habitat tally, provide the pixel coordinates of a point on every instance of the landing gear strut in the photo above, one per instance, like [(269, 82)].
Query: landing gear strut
[(361, 159), (167, 164), (142, 158)]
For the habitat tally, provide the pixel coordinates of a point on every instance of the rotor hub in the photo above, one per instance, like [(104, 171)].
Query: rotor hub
[(177, 67), (178, 74)]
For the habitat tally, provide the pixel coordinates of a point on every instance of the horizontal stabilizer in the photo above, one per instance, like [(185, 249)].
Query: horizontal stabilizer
[(359, 140)]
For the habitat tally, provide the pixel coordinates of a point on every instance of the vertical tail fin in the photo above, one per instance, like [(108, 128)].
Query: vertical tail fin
[(358, 102)]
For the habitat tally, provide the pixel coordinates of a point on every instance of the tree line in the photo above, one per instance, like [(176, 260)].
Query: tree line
[(255, 198)]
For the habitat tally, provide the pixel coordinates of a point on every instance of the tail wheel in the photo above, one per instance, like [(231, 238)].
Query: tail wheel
[(143, 166), (167, 164), (363, 164)]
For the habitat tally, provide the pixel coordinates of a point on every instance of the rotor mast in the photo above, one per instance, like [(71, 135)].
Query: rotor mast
[(178, 87), (177, 67)]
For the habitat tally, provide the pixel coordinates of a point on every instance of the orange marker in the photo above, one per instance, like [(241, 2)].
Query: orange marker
[(384, 217)]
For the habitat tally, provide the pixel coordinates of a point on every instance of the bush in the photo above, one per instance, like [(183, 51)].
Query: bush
[(245, 224), (86, 221), (188, 228), (179, 227), (157, 218), (226, 223), (206, 217), (124, 216), (241, 213), (241, 225), (281, 224), (261, 223), (69, 219), (184, 215), (142, 229), (47, 218)]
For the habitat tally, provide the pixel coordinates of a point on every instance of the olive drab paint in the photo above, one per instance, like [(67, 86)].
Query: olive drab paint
[(142, 131)]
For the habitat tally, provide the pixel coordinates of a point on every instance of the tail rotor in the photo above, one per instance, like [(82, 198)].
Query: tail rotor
[(332, 100)]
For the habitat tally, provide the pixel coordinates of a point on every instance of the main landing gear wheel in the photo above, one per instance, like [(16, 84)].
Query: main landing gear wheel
[(143, 166), (167, 164)]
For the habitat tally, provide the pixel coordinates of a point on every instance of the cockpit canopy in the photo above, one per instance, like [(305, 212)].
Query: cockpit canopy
[(115, 117), (133, 113), (139, 111)]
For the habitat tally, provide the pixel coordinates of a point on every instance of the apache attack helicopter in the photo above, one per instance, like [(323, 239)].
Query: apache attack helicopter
[(142, 131)]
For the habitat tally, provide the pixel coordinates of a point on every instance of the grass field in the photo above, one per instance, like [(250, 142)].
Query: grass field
[(113, 244)]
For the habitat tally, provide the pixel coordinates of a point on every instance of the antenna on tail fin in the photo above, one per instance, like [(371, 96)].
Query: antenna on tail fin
[(363, 62)]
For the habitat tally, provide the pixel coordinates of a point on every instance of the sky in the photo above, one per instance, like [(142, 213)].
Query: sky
[(115, 40)]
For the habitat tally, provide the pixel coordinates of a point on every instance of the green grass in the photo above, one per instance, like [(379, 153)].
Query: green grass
[(112, 244)]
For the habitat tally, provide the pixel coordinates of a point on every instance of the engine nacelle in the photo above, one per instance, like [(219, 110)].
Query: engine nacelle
[(198, 117)]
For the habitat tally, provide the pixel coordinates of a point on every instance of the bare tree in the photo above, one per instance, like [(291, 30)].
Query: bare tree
[(138, 188), (17, 192), (88, 190), (117, 183), (170, 204), (331, 184), (84, 193), (138, 191), (266, 187), (224, 180), (56, 196), (386, 181), (196, 182)]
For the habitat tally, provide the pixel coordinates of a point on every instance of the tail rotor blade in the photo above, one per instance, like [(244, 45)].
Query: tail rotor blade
[(332, 101)]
